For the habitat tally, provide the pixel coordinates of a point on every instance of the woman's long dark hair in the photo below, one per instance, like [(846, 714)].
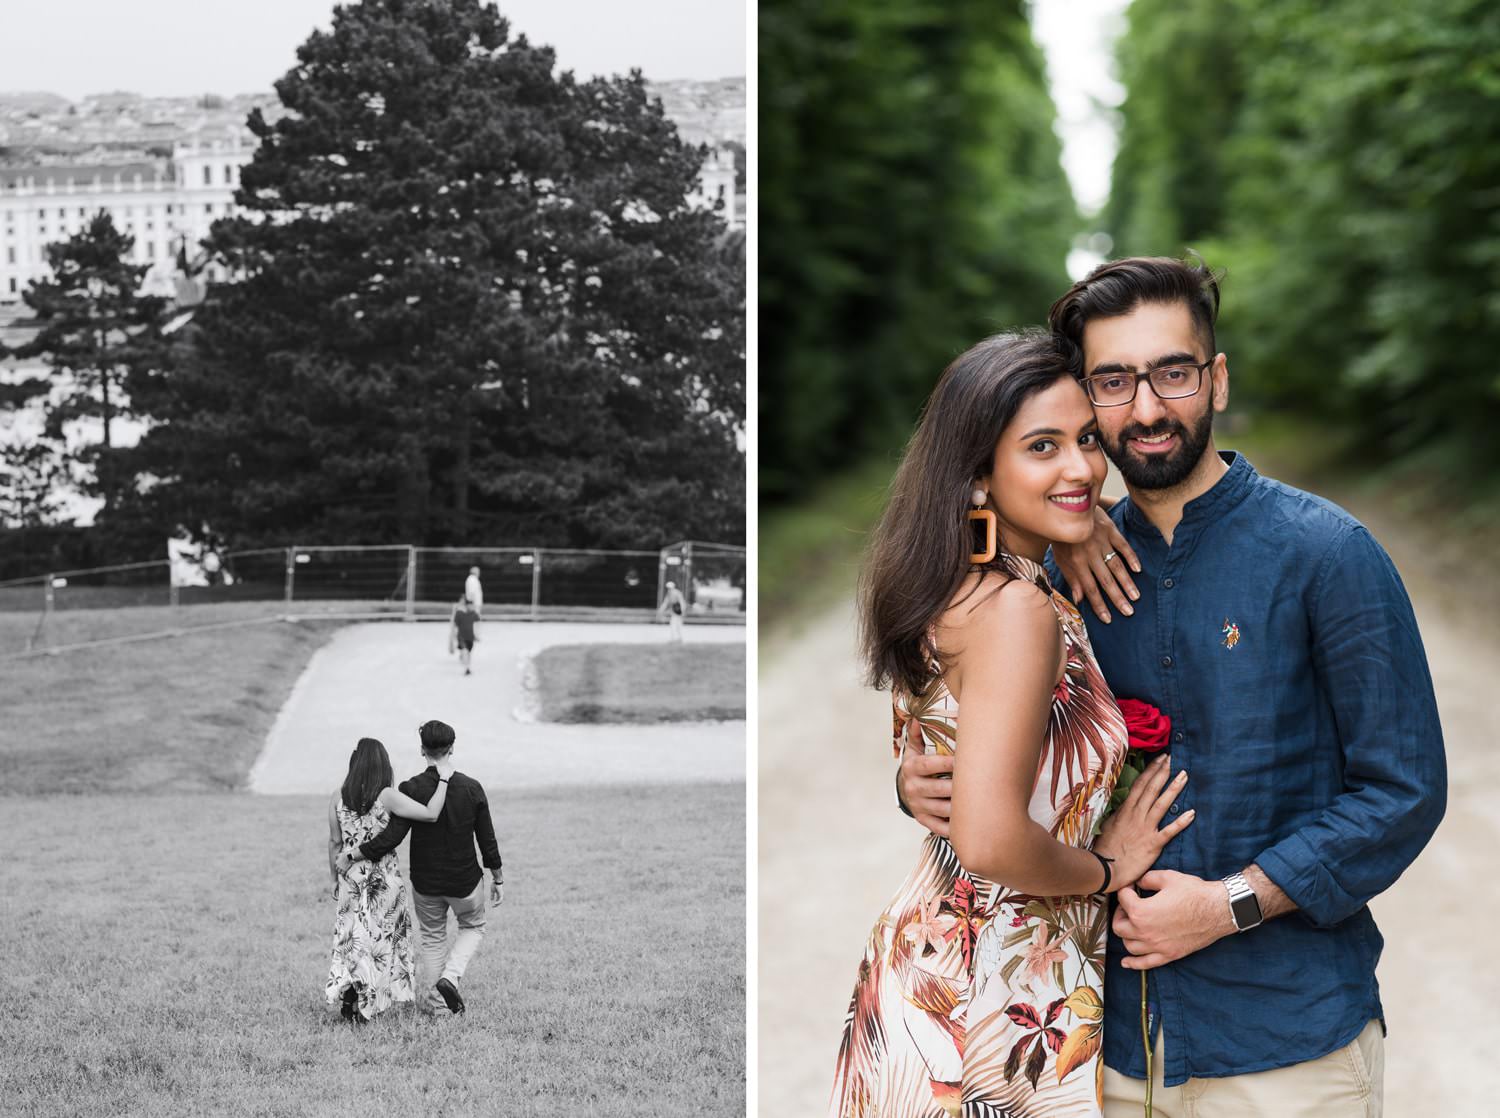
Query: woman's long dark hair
[(369, 772), (919, 553)]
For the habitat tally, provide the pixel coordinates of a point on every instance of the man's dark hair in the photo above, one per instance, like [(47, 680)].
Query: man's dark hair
[(1120, 286), (437, 737)]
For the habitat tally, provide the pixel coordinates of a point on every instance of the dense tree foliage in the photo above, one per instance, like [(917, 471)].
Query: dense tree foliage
[(472, 304), (1181, 63), (911, 201), (1350, 187), (96, 329)]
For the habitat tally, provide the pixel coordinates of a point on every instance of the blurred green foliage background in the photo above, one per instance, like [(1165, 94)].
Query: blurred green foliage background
[(1340, 162), (911, 201)]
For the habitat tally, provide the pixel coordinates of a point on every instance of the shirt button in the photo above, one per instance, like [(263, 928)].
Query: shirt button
[(1166, 661), (1168, 583), (1174, 809), (1177, 736)]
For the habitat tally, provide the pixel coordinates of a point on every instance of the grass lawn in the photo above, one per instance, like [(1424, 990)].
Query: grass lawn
[(640, 682), (165, 955), (809, 552), (181, 714), (109, 622)]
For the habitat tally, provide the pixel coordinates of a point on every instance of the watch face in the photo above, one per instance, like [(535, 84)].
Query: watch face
[(1246, 911)]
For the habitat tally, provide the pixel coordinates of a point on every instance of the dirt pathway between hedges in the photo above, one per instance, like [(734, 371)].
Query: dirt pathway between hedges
[(833, 847)]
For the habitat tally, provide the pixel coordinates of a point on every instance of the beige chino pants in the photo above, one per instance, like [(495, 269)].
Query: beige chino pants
[(436, 959), (1346, 1083)]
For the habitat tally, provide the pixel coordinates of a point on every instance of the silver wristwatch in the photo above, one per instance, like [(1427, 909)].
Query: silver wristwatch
[(1244, 906)]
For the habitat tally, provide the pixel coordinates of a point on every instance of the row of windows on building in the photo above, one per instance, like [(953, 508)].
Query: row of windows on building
[(64, 227), (127, 211), (144, 250), (230, 173)]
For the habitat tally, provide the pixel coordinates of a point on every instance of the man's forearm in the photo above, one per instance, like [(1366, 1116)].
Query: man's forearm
[(1273, 900), (385, 842)]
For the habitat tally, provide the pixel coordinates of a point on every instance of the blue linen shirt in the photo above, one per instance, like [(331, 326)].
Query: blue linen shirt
[(1276, 634)]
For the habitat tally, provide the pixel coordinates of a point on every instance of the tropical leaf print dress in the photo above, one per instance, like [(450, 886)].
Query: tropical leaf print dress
[(372, 944), (973, 999)]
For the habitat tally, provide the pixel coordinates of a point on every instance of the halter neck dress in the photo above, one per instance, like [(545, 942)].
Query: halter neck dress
[(973, 999)]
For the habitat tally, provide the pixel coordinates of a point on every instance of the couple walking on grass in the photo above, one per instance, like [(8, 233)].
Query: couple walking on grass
[(1204, 947), (447, 814)]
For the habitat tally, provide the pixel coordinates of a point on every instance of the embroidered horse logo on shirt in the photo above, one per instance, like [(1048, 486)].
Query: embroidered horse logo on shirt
[(1231, 634)]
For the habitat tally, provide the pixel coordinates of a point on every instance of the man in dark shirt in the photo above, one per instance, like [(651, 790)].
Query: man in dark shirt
[(461, 631), (444, 872), (1276, 635)]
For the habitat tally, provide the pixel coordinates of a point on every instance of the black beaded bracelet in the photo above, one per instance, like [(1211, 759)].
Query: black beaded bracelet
[(1108, 873)]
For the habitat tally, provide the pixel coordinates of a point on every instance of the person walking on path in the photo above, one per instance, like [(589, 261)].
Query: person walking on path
[(474, 591), (461, 632), (674, 606), (445, 874)]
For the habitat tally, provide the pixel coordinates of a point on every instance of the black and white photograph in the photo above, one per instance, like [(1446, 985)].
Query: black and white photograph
[(373, 557)]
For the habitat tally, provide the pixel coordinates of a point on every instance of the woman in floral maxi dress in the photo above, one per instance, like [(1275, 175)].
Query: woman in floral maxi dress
[(373, 965), (981, 989)]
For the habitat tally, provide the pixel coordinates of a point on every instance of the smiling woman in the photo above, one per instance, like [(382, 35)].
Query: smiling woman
[(1003, 912)]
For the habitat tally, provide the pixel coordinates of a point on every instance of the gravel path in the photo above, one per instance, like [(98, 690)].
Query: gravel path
[(385, 679), (833, 848)]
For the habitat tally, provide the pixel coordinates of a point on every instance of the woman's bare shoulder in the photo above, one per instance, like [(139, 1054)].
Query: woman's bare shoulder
[(1016, 614)]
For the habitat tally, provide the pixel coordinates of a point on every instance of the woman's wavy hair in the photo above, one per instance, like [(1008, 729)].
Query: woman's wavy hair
[(369, 772), (919, 552)]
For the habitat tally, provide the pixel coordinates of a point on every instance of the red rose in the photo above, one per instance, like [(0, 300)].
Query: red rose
[(1149, 729)]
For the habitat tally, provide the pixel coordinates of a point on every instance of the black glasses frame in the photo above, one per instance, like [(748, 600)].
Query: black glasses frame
[(1136, 384)]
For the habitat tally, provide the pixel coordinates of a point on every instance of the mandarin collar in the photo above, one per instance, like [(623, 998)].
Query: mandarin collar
[(1227, 492)]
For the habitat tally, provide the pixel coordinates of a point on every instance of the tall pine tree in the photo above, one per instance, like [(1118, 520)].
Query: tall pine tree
[(98, 331), (472, 305)]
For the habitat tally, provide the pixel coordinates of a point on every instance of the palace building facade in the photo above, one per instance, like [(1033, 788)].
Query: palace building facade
[(165, 205)]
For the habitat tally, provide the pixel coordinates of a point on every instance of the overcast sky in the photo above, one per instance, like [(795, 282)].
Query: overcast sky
[(167, 47), (1078, 37)]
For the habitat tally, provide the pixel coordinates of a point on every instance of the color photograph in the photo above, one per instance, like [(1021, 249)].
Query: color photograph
[(1126, 482)]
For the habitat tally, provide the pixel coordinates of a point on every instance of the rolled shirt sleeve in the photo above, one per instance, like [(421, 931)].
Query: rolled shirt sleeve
[(484, 834), (1373, 669)]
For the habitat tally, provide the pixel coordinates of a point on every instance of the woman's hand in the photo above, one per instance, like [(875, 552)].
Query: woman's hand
[(1133, 838), (1098, 566), (445, 768)]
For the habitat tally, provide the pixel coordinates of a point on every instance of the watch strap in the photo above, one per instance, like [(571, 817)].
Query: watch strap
[(1244, 905)]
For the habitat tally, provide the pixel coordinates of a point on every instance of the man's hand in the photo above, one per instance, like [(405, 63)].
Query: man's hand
[(1097, 567), (343, 862), (497, 890), (1186, 915), (925, 782)]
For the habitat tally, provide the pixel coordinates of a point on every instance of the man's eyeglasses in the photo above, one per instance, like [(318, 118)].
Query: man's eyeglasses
[(1169, 382)]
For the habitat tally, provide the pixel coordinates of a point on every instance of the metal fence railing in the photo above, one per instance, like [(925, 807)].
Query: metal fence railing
[(44, 612)]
